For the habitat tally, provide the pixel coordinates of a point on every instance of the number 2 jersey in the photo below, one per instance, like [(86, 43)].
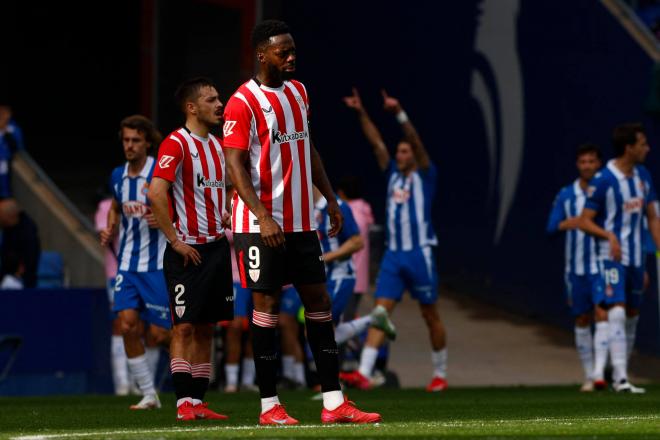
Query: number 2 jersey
[(140, 247)]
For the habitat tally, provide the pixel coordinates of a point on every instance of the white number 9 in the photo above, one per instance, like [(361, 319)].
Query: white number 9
[(253, 255)]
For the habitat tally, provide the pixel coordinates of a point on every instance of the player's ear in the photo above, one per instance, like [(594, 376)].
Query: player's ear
[(191, 108)]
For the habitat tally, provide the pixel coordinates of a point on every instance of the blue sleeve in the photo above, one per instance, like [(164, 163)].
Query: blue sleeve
[(597, 190), (557, 214), (391, 168), (651, 195), (115, 180), (350, 227)]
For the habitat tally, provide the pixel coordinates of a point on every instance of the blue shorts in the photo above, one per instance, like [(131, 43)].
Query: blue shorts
[(414, 271), (623, 284), (242, 302), (340, 292), (145, 292), (583, 292)]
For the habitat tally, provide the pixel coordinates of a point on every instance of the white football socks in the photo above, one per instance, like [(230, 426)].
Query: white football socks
[(439, 361), (119, 365), (347, 330), (601, 349), (631, 333), (368, 360), (584, 343), (287, 366), (618, 351), (332, 400), (299, 373), (153, 355), (268, 403), (139, 369), (248, 373), (231, 374)]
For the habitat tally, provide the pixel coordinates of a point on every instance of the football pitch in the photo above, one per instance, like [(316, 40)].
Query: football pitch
[(525, 412)]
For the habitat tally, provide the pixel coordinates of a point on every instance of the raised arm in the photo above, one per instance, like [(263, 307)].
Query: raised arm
[(393, 106), (235, 158), (370, 131), (320, 180)]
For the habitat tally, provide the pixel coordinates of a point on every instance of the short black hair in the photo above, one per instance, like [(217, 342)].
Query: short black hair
[(351, 187), (268, 28), (587, 149), (189, 90), (625, 134)]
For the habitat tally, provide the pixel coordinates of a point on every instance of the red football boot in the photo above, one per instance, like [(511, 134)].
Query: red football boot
[(600, 384), (185, 412), (348, 413), (355, 379), (203, 412), (276, 416), (437, 384)]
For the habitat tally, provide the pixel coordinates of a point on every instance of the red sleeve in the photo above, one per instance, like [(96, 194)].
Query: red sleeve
[(237, 130), (170, 155)]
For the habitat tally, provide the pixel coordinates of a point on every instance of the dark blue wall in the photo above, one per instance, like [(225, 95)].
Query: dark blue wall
[(582, 74)]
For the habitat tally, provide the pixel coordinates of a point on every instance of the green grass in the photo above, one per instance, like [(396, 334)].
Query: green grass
[(544, 412)]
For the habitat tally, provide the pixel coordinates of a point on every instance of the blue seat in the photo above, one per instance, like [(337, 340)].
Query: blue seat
[(50, 273)]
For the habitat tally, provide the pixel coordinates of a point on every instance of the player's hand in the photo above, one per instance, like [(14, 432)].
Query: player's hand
[(615, 248), (107, 235), (354, 101), (336, 218), (226, 220), (151, 220), (271, 233), (189, 253), (390, 104)]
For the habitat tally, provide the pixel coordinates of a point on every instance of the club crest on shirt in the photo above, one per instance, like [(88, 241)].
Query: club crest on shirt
[(165, 161), (228, 128), (254, 274), (180, 310), (145, 188), (590, 191), (400, 195)]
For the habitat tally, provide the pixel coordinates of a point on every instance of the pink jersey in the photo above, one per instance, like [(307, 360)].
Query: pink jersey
[(272, 125), (196, 168), (364, 218), (101, 222)]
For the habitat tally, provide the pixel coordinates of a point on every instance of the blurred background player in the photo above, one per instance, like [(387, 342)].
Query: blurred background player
[(140, 289), (11, 141), (238, 331), (20, 241), (620, 196), (273, 176), (188, 199), (584, 285), (408, 262)]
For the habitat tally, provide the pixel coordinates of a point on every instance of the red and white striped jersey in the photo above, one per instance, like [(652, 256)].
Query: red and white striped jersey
[(196, 168), (272, 125)]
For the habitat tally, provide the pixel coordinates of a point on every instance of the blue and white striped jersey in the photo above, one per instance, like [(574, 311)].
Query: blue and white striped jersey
[(336, 269), (409, 203), (620, 202), (140, 247), (580, 249)]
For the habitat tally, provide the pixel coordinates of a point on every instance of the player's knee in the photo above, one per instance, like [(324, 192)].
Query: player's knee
[(183, 332), (583, 320), (160, 336), (203, 332), (129, 327), (631, 312), (430, 314)]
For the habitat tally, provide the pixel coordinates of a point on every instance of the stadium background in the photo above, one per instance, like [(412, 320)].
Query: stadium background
[(500, 112)]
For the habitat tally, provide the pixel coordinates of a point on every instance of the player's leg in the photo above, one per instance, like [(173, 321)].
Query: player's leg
[(200, 364), (601, 345), (233, 341), (615, 300), (307, 271), (579, 297), (119, 361), (639, 282), (180, 365), (293, 370), (248, 371)]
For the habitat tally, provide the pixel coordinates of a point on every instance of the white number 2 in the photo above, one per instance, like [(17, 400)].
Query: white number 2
[(253, 255), (118, 280), (180, 289)]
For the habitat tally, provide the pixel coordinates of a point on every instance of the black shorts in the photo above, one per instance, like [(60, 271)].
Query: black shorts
[(299, 261), (204, 293)]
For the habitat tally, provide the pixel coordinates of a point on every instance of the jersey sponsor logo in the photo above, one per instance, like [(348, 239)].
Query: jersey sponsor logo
[(254, 274), (203, 182), (134, 209), (633, 205), (400, 195), (228, 128), (277, 137), (165, 161), (229, 298)]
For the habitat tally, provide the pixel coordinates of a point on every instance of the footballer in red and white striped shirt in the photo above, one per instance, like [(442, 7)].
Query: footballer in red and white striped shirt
[(187, 195)]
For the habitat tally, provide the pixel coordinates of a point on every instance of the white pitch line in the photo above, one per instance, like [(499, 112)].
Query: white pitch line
[(447, 424)]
